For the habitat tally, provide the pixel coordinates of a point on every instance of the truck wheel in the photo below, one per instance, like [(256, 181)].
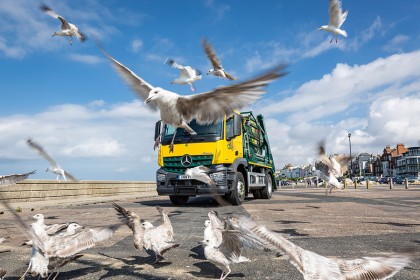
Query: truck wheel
[(179, 200), (237, 194), (267, 191)]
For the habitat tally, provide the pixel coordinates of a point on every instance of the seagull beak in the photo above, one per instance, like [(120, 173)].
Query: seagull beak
[(147, 100)]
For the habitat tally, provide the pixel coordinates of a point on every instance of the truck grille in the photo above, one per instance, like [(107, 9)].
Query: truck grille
[(173, 164)]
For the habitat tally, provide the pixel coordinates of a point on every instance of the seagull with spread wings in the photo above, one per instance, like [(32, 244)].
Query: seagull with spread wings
[(205, 108), (337, 18), (55, 168), (217, 69), (187, 74), (332, 167), (67, 29), (14, 178), (317, 267)]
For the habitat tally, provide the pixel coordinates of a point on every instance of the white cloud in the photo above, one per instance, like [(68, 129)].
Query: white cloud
[(375, 103), (396, 43), (86, 58), (136, 45), (87, 140)]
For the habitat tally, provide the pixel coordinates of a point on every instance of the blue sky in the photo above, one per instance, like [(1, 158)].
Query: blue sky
[(70, 100)]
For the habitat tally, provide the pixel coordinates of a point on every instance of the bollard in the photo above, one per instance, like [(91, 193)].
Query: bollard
[(344, 183), (390, 183), (355, 184), (367, 184), (406, 183)]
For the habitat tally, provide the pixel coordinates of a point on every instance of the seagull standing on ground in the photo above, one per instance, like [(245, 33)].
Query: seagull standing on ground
[(158, 239), (55, 168), (217, 69), (205, 108), (61, 249), (317, 267), (337, 18), (14, 178), (332, 167), (67, 29), (187, 75)]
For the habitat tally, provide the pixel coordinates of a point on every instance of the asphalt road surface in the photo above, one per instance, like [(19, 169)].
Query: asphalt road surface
[(346, 224)]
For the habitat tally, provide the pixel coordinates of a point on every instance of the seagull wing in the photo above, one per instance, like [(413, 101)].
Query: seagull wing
[(41, 151), (140, 86), (229, 76), (64, 24), (70, 176), (211, 54), (337, 17), (382, 267), (14, 178), (52, 13), (133, 222), (173, 64), (209, 107), (65, 246)]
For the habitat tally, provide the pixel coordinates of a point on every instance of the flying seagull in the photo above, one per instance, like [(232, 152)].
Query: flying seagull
[(205, 108), (187, 75), (332, 167), (200, 173), (14, 178), (316, 267), (67, 29), (55, 168), (337, 18), (217, 69)]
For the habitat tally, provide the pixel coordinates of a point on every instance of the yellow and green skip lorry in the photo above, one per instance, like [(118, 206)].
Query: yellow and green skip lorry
[(236, 150)]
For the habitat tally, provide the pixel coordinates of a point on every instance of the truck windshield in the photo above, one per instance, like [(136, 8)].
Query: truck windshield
[(205, 133)]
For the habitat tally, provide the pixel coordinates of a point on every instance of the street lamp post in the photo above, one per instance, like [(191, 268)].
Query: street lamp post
[(351, 161)]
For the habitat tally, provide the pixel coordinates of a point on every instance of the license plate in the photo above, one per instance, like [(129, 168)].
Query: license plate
[(184, 177)]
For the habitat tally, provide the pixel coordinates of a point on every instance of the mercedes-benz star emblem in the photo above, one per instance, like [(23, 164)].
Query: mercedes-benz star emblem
[(186, 160)]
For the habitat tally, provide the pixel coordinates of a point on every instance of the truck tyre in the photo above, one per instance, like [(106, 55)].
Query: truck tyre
[(267, 191), (179, 200), (237, 194)]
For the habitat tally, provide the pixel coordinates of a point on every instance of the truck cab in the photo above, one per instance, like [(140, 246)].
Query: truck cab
[(236, 150)]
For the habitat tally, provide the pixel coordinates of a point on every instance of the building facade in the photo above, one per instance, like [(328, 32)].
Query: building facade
[(408, 163)]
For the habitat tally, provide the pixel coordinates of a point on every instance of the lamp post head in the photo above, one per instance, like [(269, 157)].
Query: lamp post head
[(349, 135)]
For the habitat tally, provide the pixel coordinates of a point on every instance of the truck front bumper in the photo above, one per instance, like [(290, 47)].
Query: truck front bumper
[(169, 183)]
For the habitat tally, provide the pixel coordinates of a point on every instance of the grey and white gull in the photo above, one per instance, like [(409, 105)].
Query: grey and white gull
[(223, 245), (11, 179), (337, 18), (317, 267), (187, 74), (61, 249), (67, 28), (2, 273), (331, 167), (158, 239), (205, 108), (200, 173), (55, 168), (217, 69)]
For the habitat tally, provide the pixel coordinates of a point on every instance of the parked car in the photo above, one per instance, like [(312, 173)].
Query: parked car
[(398, 180), (384, 180), (412, 179)]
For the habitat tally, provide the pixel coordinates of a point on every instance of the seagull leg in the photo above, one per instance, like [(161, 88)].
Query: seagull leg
[(192, 87), (157, 140), (24, 274), (227, 273), (171, 146), (332, 39), (56, 275)]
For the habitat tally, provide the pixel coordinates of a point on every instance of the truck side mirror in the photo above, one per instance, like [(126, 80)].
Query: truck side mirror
[(158, 127), (237, 124)]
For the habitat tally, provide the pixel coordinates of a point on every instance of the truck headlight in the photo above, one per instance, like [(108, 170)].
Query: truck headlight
[(160, 177), (217, 175)]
